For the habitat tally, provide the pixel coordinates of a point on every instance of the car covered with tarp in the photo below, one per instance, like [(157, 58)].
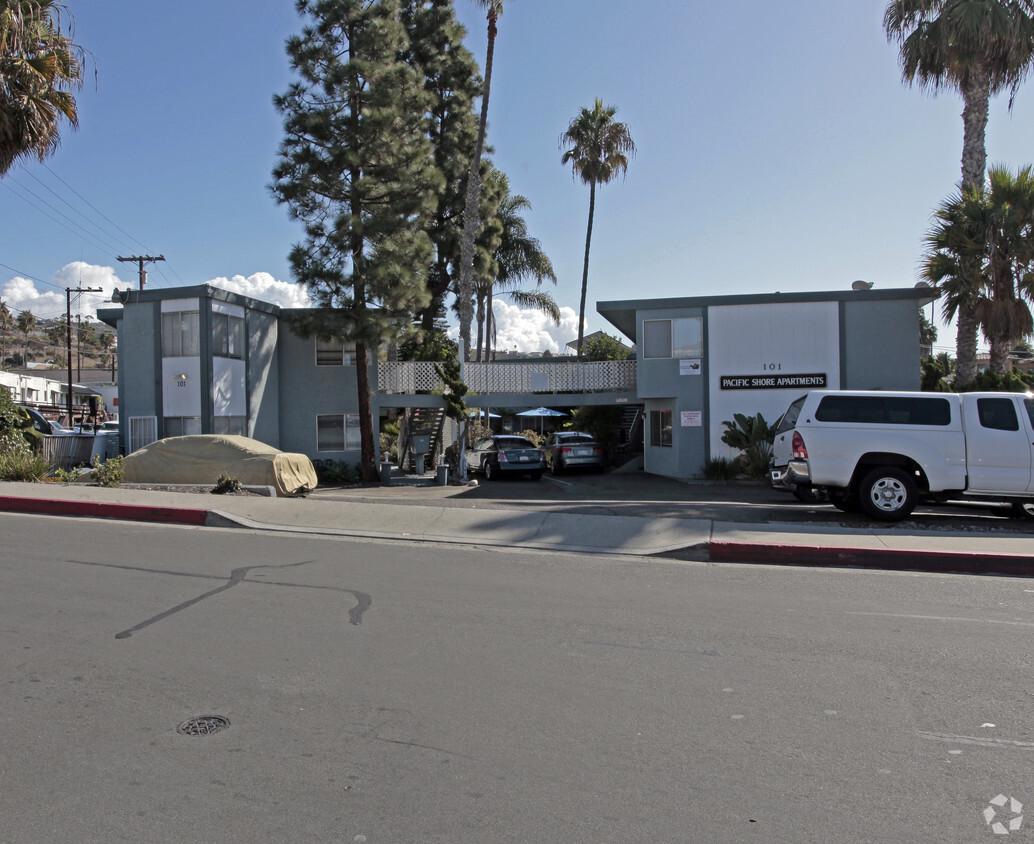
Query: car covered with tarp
[(205, 458)]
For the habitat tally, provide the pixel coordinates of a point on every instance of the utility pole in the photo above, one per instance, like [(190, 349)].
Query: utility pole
[(139, 261), (68, 332)]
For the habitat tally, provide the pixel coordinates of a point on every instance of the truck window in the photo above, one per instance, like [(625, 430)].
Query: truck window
[(884, 410), (789, 419), (1030, 410), (999, 414)]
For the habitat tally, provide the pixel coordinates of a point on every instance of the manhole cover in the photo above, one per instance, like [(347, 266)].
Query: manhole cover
[(204, 726)]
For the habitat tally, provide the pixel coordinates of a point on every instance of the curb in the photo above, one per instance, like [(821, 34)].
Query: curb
[(1016, 565), (96, 510)]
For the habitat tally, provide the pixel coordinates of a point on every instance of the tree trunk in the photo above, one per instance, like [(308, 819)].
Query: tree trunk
[(1000, 356), (585, 267), (368, 452), (976, 94), (480, 317), (471, 207)]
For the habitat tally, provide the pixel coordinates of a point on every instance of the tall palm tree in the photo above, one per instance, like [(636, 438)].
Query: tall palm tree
[(26, 325), (39, 65), (599, 149), (471, 222), (990, 227), (979, 48), (517, 258), (6, 325)]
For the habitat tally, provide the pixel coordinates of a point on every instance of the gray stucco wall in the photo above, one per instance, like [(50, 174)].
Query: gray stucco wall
[(263, 377), (880, 346), (140, 366), (307, 390), (661, 387)]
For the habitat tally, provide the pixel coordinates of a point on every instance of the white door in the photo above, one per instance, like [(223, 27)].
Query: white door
[(999, 444)]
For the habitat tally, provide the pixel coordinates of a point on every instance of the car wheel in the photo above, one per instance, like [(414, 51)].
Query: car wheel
[(1023, 509), (810, 495), (488, 470), (887, 494), (842, 500)]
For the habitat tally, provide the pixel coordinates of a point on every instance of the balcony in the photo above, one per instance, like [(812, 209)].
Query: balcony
[(566, 377)]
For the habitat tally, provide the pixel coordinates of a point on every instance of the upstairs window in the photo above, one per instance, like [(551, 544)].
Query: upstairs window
[(335, 352), (180, 334), (227, 336)]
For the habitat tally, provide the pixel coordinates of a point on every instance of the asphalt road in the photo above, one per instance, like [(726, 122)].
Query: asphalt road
[(397, 692)]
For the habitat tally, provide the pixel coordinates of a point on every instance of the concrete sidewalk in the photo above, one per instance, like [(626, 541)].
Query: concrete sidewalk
[(544, 529)]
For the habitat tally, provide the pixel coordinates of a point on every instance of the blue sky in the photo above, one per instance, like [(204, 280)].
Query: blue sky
[(777, 150)]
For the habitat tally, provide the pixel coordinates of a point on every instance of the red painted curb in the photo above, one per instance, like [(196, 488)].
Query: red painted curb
[(97, 510), (879, 558)]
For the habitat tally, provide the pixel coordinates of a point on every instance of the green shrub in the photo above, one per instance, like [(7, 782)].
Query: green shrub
[(752, 436), (226, 484), (67, 477), (19, 461), (14, 419), (108, 473), (721, 469)]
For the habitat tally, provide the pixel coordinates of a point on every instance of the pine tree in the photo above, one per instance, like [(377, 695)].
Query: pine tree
[(356, 170), (451, 80)]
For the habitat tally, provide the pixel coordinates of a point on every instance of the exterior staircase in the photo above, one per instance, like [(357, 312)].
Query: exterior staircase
[(630, 432), (421, 422)]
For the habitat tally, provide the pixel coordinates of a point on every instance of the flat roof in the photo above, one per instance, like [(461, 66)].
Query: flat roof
[(622, 313)]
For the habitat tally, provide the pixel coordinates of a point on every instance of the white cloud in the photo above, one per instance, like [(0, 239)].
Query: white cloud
[(47, 303), (264, 287), (532, 331)]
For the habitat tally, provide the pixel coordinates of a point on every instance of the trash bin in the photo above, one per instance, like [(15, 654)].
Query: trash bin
[(443, 474), (385, 473)]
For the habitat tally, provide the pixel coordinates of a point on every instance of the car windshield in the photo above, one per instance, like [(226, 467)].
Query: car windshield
[(513, 442)]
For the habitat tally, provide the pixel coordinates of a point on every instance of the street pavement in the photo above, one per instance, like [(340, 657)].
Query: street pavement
[(616, 513)]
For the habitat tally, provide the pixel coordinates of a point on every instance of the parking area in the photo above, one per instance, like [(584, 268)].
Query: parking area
[(637, 493)]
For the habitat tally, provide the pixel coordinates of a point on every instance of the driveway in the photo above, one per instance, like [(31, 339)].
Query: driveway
[(651, 496)]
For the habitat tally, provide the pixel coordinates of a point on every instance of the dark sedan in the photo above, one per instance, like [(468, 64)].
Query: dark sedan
[(506, 455), (573, 450)]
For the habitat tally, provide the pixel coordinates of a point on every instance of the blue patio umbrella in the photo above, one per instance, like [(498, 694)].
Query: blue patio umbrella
[(542, 412)]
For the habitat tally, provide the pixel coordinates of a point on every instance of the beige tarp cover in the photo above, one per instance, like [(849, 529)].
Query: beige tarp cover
[(201, 459)]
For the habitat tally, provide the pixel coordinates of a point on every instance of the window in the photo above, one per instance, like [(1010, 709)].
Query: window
[(227, 336), (884, 410), (338, 432), (334, 352), (660, 428), (181, 426), (999, 414), (687, 338), (236, 425), (657, 338), (180, 334), (789, 419)]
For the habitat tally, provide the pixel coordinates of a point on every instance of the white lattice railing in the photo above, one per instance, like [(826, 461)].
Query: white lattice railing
[(569, 377)]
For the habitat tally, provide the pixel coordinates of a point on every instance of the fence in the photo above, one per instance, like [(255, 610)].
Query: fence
[(563, 377)]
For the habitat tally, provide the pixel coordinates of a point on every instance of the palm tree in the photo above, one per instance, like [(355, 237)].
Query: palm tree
[(39, 63), (465, 288), (517, 258), (980, 48), (990, 227), (599, 149), (6, 325), (26, 325)]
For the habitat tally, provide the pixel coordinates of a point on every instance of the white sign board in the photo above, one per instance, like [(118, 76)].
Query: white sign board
[(762, 357), (692, 418)]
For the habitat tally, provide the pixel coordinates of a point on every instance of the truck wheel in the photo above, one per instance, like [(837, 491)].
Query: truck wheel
[(888, 494), (843, 501), (1023, 509)]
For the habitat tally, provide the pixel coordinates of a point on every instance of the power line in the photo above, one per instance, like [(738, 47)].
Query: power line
[(82, 232)]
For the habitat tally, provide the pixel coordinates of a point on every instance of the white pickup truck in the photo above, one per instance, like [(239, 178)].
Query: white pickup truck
[(883, 452)]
